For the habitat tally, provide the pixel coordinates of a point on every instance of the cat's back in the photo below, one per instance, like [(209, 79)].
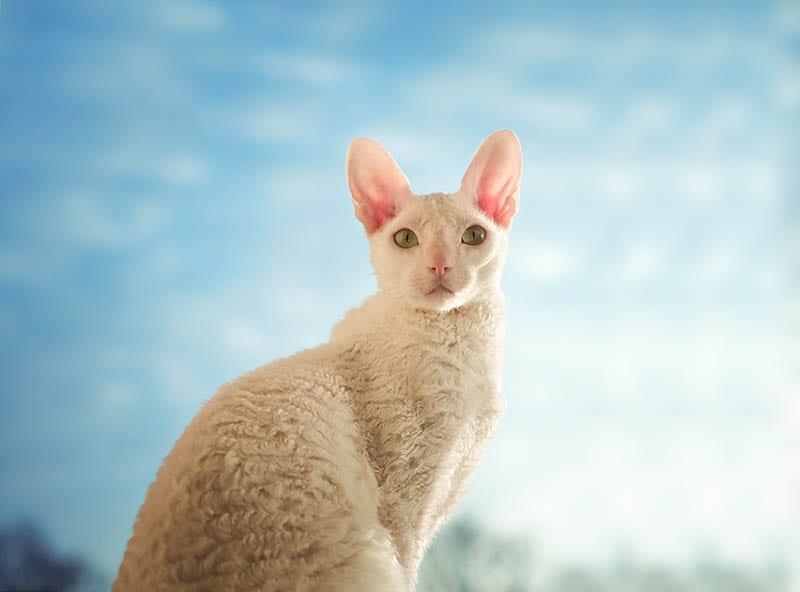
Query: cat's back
[(268, 488)]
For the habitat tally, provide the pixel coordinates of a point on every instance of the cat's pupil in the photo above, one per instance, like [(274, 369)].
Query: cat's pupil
[(474, 235), (405, 238)]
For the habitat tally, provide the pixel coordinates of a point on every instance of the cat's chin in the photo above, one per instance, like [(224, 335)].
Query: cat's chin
[(440, 290), (441, 299)]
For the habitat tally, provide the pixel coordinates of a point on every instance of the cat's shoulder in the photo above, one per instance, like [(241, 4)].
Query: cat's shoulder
[(361, 319)]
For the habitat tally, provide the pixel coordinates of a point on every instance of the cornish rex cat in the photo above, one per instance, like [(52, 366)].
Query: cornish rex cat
[(331, 470)]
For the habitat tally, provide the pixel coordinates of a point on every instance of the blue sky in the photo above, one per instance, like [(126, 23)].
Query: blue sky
[(173, 212)]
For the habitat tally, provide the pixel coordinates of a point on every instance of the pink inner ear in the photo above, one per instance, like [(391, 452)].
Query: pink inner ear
[(492, 178), (377, 185), (375, 212), (496, 198), (383, 212)]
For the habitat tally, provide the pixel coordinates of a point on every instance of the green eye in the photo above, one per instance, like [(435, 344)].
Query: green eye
[(474, 235), (405, 238)]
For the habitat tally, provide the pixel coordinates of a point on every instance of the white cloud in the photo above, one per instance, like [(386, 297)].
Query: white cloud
[(177, 376), (489, 89), (721, 120), (632, 46), (281, 122), (638, 263), (15, 265), (245, 337), (543, 261), (295, 301), (111, 400), (704, 368), (86, 220), (762, 182), (699, 184), (619, 184), (532, 44), (182, 168), (726, 114), (787, 88), (789, 16), (116, 394), (409, 145), (650, 113), (433, 158), (315, 69), (714, 266), (629, 49), (700, 181), (707, 181), (696, 357), (344, 21), (550, 180), (594, 491), (308, 186), (557, 111), (124, 73), (708, 50), (194, 16)]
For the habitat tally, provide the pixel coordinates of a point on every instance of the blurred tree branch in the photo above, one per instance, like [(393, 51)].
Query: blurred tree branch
[(466, 557), (27, 562)]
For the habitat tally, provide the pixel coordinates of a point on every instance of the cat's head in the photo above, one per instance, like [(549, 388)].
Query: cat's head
[(437, 251)]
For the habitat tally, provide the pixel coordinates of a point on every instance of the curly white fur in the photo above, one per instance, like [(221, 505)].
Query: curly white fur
[(331, 470)]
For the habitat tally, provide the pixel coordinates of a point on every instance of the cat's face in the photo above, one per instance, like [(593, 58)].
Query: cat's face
[(437, 251)]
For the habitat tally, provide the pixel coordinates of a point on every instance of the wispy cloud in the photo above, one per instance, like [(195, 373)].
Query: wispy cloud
[(638, 263), (787, 88), (344, 22), (714, 266), (484, 88), (244, 337), (788, 16), (281, 121), (533, 44), (179, 167), (82, 220), (314, 69), (619, 183), (182, 169), (543, 261), (186, 16), (634, 45), (126, 74), (663, 502)]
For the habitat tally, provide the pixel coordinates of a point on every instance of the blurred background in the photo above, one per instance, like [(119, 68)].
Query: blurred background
[(174, 212)]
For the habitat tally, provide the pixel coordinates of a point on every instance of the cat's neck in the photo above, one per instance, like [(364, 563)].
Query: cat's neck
[(383, 313)]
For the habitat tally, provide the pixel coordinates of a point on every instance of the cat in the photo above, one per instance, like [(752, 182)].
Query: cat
[(331, 470)]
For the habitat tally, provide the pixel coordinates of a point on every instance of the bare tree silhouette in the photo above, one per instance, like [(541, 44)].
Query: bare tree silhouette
[(27, 562), (467, 558)]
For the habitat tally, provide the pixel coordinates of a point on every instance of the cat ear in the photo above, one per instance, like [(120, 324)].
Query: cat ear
[(493, 177), (378, 186)]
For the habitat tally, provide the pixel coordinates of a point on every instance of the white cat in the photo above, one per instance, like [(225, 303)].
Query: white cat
[(331, 470)]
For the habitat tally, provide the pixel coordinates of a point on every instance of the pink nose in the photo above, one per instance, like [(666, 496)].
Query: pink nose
[(439, 270)]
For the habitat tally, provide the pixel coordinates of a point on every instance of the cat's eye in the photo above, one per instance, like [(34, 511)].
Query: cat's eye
[(405, 238), (474, 235)]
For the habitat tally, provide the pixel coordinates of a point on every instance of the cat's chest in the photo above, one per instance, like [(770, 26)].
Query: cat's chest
[(448, 372), (423, 400)]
